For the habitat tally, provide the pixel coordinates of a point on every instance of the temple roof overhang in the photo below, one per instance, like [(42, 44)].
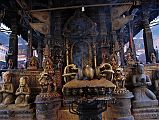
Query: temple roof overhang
[(20, 9)]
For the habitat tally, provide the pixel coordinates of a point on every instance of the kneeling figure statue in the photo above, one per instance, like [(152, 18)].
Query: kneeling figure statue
[(140, 82), (6, 89), (23, 92)]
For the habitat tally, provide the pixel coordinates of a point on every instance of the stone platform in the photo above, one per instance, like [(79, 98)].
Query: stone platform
[(146, 113), (121, 109), (17, 114), (141, 104), (47, 106)]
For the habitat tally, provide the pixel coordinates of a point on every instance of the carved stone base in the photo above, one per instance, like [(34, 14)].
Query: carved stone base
[(124, 118), (47, 106), (17, 114), (139, 104), (146, 113), (121, 109)]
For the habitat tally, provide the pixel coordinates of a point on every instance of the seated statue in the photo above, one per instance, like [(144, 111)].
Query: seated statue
[(119, 78), (23, 92), (140, 82), (48, 64), (114, 61), (45, 82), (6, 89), (33, 63), (129, 59)]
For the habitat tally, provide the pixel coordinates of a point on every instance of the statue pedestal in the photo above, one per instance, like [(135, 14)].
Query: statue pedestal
[(47, 106), (146, 110), (121, 109), (13, 112)]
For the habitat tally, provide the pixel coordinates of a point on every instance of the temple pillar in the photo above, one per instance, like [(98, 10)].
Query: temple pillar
[(30, 51), (40, 53), (57, 48), (13, 45), (121, 52), (147, 35)]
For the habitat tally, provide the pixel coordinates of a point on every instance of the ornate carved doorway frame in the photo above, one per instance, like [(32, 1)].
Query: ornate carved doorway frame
[(80, 34)]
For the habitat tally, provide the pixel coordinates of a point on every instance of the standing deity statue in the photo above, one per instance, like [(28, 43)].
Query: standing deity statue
[(10, 64), (129, 59), (6, 89), (23, 92), (153, 58), (47, 62)]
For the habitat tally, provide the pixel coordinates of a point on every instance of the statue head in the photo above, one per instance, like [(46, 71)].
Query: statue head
[(45, 76), (7, 77), (153, 54), (140, 68), (22, 81), (10, 63), (119, 71)]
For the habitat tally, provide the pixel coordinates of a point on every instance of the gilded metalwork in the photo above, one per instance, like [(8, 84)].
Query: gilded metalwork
[(87, 93), (33, 63), (70, 72), (105, 70), (47, 62), (45, 82)]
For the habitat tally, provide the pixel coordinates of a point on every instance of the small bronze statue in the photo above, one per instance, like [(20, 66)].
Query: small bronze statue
[(6, 89), (10, 64), (48, 62), (153, 58), (45, 82), (114, 61), (140, 82), (23, 92), (33, 63), (129, 58), (119, 78)]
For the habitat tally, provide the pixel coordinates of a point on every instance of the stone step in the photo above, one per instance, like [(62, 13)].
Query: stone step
[(16, 114), (148, 116), (145, 110)]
